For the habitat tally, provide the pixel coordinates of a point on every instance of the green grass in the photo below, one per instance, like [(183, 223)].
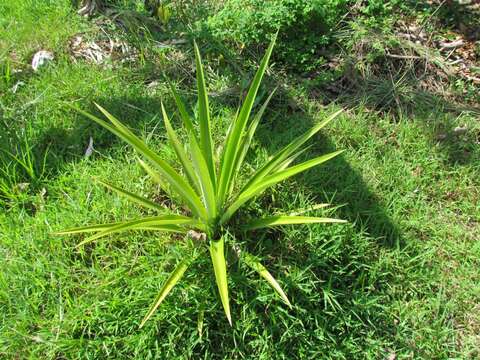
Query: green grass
[(402, 277), (31, 25)]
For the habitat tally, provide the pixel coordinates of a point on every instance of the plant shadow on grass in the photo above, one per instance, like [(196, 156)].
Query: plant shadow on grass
[(338, 181), (55, 147), (463, 17)]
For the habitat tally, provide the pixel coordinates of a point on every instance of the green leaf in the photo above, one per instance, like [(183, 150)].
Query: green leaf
[(146, 227), (179, 150), (84, 229), (220, 269), (173, 279), (178, 184), (206, 142), (275, 163), (172, 223), (112, 227), (286, 163), (287, 220), (187, 121), (206, 185), (203, 179), (155, 176), (133, 197), (253, 263), (247, 138), (271, 180), (233, 142)]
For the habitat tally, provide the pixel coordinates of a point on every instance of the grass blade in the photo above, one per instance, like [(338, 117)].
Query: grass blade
[(288, 220), (233, 142), (132, 197), (220, 269), (253, 263), (273, 179), (308, 209), (206, 143), (172, 280)]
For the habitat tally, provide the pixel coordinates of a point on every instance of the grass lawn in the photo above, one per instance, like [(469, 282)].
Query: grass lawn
[(400, 280)]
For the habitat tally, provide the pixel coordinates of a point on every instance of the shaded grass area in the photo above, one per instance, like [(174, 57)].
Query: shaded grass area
[(401, 278)]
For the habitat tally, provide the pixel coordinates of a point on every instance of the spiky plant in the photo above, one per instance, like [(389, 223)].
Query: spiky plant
[(206, 184)]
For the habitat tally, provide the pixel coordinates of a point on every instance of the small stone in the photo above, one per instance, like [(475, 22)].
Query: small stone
[(392, 356), (41, 58), (460, 130)]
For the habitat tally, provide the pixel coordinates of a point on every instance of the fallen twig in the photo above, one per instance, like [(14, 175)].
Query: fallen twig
[(451, 45), (411, 57)]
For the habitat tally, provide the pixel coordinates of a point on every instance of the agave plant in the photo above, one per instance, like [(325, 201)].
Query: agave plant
[(205, 184)]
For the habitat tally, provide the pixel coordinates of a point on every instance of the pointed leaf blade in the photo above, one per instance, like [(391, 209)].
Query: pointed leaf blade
[(206, 186), (200, 166), (173, 223), (165, 228), (179, 150), (172, 280), (85, 229), (253, 263), (233, 142), (178, 184), (155, 177), (187, 121), (277, 160), (220, 269), (288, 220), (132, 197), (247, 138), (206, 142), (257, 188)]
